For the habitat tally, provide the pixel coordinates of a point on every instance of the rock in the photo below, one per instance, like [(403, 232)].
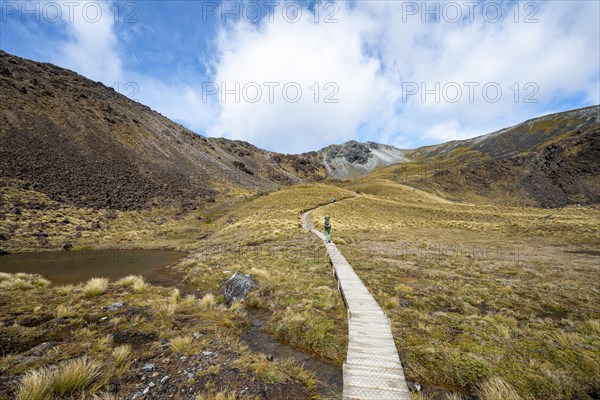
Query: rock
[(404, 303), (16, 211), (95, 226), (41, 348), (4, 236), (414, 386), (164, 379), (67, 246), (149, 367), (80, 228), (237, 287), (114, 306), (151, 384), (197, 335), (207, 353), (270, 357), (39, 234), (146, 390), (183, 359), (137, 396)]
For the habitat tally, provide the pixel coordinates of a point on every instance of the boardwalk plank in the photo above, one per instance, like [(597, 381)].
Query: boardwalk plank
[(373, 370)]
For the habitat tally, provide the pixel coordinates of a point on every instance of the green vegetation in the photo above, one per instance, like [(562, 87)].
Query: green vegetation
[(484, 300), (88, 346)]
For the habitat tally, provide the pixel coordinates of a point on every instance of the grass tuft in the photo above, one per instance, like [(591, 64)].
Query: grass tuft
[(66, 378), (22, 281), (208, 302), (96, 286), (496, 388), (181, 344), (136, 283)]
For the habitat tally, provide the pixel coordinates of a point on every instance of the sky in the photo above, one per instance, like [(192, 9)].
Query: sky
[(296, 76)]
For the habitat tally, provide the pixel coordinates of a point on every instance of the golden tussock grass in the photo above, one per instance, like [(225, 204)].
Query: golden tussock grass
[(136, 283), (95, 286), (181, 344), (496, 389), (65, 378), (22, 281)]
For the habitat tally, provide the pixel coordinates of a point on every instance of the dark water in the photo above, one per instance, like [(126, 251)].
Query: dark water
[(329, 375), (73, 267)]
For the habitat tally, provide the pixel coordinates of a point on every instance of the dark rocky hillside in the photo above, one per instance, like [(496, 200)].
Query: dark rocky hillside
[(82, 143)]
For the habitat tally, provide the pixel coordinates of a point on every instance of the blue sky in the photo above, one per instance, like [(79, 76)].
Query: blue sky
[(294, 76)]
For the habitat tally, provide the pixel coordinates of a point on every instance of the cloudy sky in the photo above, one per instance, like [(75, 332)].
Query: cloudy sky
[(295, 76)]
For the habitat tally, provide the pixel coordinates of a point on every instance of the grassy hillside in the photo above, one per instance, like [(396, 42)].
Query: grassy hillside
[(551, 161), (479, 296), (484, 300)]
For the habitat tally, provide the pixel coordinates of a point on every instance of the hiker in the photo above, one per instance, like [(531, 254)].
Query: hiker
[(327, 226)]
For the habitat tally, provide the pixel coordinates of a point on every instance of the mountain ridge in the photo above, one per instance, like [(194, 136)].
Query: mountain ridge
[(82, 143)]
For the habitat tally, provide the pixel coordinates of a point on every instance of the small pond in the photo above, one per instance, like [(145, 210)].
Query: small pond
[(73, 267)]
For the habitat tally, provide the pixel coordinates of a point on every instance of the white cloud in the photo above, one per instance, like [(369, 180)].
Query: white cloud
[(181, 102), (550, 60), (301, 54), (91, 47)]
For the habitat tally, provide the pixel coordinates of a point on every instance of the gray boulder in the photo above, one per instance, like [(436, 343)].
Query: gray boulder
[(237, 287)]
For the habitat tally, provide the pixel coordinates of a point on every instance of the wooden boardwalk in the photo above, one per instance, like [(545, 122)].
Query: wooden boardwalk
[(372, 369)]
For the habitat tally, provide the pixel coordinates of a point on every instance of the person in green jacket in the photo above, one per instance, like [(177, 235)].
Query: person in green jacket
[(327, 226)]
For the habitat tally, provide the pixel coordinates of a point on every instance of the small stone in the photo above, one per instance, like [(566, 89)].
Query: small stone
[(189, 375), (137, 395), (403, 303), (67, 246), (41, 348), (149, 367), (103, 319), (16, 211), (164, 379), (115, 306), (207, 353), (197, 335), (146, 390), (151, 384), (95, 226), (270, 357), (183, 358)]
